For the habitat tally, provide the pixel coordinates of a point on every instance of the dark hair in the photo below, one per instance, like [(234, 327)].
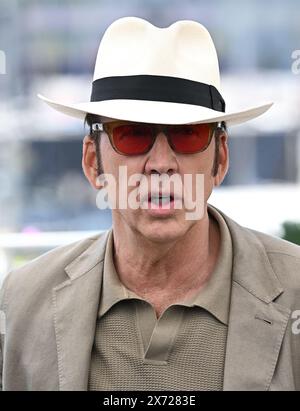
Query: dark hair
[(90, 119), (216, 163)]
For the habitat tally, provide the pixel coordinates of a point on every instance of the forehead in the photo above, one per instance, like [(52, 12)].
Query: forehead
[(93, 118)]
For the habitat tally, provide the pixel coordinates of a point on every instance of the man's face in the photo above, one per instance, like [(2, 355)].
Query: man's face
[(152, 222)]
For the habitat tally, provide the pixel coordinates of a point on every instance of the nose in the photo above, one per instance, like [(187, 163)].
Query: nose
[(161, 157)]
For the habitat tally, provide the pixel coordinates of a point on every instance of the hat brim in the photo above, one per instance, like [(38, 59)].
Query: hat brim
[(156, 112)]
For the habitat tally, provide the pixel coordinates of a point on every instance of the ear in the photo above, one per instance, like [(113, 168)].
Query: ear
[(89, 161), (223, 159)]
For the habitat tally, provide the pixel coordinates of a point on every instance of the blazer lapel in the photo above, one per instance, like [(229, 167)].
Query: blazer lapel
[(76, 304), (255, 334), (257, 324)]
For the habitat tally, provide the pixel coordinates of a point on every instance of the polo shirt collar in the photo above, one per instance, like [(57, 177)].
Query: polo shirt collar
[(215, 295), (113, 290)]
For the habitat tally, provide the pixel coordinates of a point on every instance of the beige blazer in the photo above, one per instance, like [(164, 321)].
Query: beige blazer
[(49, 308)]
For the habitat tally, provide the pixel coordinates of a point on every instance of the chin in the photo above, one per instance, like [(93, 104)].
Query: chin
[(163, 231)]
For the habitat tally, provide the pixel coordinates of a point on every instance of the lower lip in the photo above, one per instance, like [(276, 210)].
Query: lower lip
[(161, 209)]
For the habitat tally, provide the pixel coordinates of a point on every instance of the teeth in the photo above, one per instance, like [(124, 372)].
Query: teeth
[(160, 200)]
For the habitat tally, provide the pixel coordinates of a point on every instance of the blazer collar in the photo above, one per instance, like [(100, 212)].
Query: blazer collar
[(86, 261), (257, 275)]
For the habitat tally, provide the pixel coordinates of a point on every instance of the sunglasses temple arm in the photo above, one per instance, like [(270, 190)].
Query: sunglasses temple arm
[(219, 127), (97, 127)]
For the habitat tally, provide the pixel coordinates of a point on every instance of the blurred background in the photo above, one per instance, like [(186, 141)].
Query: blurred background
[(50, 46)]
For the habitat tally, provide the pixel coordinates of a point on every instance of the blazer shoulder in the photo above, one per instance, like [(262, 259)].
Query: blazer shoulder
[(276, 245), (45, 271), (284, 258)]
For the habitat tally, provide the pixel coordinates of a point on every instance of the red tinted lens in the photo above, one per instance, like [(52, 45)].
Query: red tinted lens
[(190, 138), (132, 139)]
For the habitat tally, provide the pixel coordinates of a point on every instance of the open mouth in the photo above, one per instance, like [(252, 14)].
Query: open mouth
[(161, 201)]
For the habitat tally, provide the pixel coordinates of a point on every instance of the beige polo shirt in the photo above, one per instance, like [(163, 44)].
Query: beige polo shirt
[(182, 350)]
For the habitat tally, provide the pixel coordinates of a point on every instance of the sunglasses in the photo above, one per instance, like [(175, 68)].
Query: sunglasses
[(130, 139)]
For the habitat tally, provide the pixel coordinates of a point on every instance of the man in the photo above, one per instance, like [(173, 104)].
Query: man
[(162, 301)]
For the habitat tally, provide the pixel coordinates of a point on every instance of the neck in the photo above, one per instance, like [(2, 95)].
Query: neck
[(176, 269)]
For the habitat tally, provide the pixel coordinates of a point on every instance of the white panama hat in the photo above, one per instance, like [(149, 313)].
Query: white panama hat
[(157, 75)]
